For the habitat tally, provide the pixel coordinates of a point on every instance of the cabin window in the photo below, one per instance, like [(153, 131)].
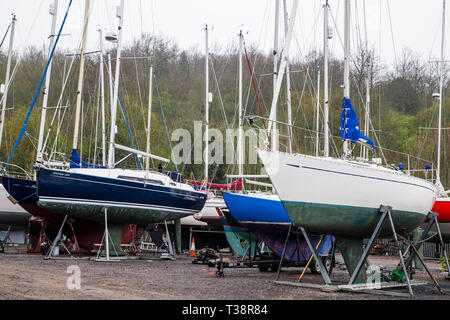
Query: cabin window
[(137, 179)]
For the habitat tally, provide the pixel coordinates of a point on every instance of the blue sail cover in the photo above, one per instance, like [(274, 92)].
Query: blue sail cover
[(77, 162), (349, 128)]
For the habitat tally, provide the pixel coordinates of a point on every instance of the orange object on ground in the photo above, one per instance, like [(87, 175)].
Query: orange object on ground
[(192, 252)]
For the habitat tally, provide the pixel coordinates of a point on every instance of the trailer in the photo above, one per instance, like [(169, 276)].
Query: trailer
[(269, 261)]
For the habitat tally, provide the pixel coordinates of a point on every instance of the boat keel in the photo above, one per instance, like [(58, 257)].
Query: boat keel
[(115, 239), (352, 250)]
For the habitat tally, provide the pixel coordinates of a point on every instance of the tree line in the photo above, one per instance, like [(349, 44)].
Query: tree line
[(402, 106)]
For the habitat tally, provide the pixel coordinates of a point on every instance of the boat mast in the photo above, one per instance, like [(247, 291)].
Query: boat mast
[(102, 97), (116, 87), (346, 150), (7, 77), (240, 133), (274, 143), (317, 111), (110, 81), (53, 10), (325, 80), (288, 81), (206, 104), (367, 115), (80, 77), (281, 72), (441, 83), (149, 117)]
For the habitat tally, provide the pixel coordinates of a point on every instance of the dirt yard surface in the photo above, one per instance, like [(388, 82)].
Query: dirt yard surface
[(31, 277)]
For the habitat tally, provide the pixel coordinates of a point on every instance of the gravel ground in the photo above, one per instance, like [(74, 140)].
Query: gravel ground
[(31, 277)]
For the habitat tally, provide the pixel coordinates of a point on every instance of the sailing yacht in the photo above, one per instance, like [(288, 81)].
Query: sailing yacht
[(442, 204), (209, 213), (23, 191), (263, 212), (342, 196), (128, 196), (131, 196), (10, 213)]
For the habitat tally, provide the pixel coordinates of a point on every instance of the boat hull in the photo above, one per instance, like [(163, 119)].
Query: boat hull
[(238, 237), (85, 196), (87, 232), (209, 213), (442, 207), (265, 216), (12, 214), (343, 198)]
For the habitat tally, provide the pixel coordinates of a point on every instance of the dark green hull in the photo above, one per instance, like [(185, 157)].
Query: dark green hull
[(347, 221)]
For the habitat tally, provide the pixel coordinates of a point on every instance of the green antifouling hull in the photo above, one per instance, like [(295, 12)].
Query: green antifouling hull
[(347, 221), (352, 250), (119, 215), (240, 241), (350, 225), (115, 239), (239, 238)]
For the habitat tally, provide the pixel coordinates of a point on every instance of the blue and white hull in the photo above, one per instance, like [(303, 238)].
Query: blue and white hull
[(265, 216)]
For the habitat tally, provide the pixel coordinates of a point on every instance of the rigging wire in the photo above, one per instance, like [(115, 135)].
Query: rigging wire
[(164, 120), (221, 100), (6, 33), (22, 131), (253, 80), (370, 120), (130, 113), (96, 118), (57, 113), (392, 32), (129, 131)]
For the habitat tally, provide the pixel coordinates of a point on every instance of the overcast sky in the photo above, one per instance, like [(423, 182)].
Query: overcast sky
[(415, 23)]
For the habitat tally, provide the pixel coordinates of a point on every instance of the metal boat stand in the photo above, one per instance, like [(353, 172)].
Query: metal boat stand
[(432, 216), (317, 258), (370, 287), (432, 219), (386, 212), (171, 255), (4, 237), (40, 240), (49, 255), (106, 238)]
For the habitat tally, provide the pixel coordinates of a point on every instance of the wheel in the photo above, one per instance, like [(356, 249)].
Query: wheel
[(219, 274), (327, 262), (274, 267), (263, 268), (45, 248)]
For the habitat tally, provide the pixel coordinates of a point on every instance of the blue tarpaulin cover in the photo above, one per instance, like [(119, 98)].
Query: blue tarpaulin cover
[(349, 128), (77, 162)]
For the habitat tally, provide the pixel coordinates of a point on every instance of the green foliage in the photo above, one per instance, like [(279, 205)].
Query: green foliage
[(400, 102)]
